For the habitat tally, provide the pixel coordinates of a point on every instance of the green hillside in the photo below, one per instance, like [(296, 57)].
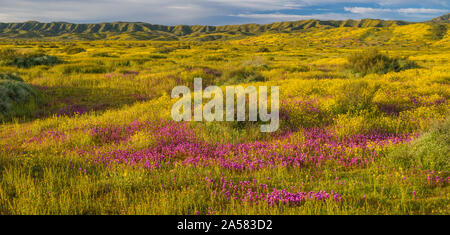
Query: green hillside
[(146, 31), (442, 19)]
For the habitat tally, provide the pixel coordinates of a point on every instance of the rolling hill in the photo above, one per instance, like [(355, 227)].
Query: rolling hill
[(442, 19), (146, 31)]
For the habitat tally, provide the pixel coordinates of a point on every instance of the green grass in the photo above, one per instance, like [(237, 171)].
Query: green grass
[(37, 184)]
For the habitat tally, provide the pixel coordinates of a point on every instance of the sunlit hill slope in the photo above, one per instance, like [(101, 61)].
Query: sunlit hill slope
[(146, 31)]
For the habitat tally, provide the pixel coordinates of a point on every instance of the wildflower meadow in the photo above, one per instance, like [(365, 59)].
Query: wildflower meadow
[(364, 125)]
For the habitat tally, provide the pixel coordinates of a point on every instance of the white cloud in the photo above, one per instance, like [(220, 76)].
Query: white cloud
[(369, 10), (418, 3), (365, 10), (259, 5), (289, 17), (421, 11)]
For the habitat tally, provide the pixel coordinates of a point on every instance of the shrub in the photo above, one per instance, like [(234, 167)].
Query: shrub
[(25, 60), (299, 68), (214, 58), (7, 56), (438, 31), (372, 61), (164, 50), (430, 151), (15, 96), (34, 60), (157, 56), (81, 68), (102, 54), (73, 50), (263, 49), (299, 112), (10, 76), (354, 96), (243, 74)]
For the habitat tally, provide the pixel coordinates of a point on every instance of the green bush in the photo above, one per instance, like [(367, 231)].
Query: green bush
[(157, 56), (214, 58), (34, 60), (73, 50), (296, 69), (438, 31), (354, 96), (263, 49), (11, 57), (10, 76), (372, 61), (7, 56), (242, 74), (430, 151), (103, 54), (16, 98), (164, 50), (81, 68)]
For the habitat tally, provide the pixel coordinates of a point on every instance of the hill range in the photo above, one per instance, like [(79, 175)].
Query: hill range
[(146, 31)]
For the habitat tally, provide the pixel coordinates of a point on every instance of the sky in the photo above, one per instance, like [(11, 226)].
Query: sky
[(217, 12)]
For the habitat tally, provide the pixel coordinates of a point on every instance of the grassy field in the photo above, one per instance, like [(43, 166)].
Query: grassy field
[(87, 127)]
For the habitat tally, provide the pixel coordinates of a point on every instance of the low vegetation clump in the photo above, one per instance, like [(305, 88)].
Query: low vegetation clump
[(10, 76), (12, 57), (373, 61), (81, 68), (354, 96), (242, 74), (73, 50), (438, 31), (16, 97), (430, 151)]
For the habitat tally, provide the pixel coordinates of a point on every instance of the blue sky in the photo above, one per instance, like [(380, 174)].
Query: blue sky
[(217, 12)]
